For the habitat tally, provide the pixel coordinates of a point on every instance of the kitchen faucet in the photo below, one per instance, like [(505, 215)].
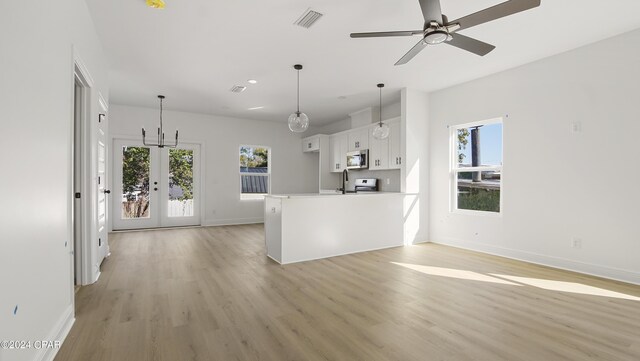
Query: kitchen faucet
[(345, 179)]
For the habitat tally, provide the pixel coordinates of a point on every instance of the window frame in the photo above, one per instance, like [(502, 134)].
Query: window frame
[(454, 168), (254, 196)]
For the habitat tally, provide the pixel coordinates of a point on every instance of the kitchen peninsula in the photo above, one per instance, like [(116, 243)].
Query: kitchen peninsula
[(304, 227)]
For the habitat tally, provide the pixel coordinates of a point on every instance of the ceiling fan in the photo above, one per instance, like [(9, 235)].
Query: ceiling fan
[(438, 29)]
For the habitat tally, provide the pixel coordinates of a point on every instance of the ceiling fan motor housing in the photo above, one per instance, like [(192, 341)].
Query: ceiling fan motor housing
[(438, 36)]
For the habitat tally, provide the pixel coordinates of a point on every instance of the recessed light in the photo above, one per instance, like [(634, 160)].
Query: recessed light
[(256, 108), (252, 81)]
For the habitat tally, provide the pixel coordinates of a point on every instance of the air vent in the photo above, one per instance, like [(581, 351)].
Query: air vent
[(238, 89), (308, 18)]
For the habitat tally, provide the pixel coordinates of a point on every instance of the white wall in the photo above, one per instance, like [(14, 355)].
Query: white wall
[(415, 165), (292, 170), (557, 184), (36, 88), (388, 111)]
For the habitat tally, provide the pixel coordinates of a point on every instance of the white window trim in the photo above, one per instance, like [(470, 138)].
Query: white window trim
[(454, 169), (255, 196)]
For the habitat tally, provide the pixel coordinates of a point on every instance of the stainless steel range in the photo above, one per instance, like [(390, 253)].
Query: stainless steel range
[(366, 185)]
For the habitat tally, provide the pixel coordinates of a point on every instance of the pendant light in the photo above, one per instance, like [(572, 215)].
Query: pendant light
[(160, 143), (298, 121), (381, 131)]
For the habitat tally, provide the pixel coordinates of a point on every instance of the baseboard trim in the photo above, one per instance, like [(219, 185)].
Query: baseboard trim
[(58, 333), (232, 221), (544, 260)]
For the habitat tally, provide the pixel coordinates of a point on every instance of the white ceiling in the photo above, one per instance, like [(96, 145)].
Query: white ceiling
[(195, 51)]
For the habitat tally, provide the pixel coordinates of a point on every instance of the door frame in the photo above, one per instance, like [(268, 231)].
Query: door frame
[(82, 225), (113, 173)]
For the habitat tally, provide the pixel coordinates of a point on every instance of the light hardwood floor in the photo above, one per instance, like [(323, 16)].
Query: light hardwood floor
[(212, 294)]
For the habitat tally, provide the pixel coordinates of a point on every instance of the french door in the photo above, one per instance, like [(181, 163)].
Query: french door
[(155, 187)]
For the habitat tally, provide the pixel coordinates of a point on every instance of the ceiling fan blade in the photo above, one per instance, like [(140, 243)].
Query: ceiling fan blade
[(431, 10), (470, 44), (496, 12), (386, 33), (411, 53)]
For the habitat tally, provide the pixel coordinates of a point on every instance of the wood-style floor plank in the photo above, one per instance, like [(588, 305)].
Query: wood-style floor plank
[(212, 294)]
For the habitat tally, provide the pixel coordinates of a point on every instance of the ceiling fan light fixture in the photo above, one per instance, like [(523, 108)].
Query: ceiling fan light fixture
[(298, 121), (436, 37)]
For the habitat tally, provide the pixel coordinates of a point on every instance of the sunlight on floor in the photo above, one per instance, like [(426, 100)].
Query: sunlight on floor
[(571, 287), (550, 285), (454, 273)]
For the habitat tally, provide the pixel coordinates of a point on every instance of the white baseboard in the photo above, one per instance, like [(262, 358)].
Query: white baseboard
[(232, 221), (58, 333), (544, 260)]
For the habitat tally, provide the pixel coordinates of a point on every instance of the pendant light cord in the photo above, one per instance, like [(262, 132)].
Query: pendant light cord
[(380, 107), (298, 92), (160, 115)]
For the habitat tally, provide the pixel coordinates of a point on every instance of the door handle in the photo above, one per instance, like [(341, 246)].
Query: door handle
[(107, 191)]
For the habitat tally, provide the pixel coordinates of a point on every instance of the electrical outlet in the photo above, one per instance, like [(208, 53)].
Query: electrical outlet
[(388, 181), (576, 242), (576, 127)]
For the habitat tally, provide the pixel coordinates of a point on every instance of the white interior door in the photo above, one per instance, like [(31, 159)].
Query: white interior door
[(103, 191), (155, 187)]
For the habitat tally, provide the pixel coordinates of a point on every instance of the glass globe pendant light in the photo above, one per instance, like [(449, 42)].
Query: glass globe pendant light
[(298, 121), (381, 131)]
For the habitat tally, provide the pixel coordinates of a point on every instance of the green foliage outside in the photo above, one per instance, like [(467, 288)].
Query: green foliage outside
[(254, 157), (181, 172), (463, 140), (479, 199), (135, 181)]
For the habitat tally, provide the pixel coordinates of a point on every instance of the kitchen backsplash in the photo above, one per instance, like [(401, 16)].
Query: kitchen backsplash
[(393, 175)]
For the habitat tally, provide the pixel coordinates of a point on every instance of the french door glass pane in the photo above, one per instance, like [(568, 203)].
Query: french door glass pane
[(180, 183), (135, 182)]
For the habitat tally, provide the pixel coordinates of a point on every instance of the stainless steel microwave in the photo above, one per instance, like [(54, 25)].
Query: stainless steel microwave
[(358, 159)]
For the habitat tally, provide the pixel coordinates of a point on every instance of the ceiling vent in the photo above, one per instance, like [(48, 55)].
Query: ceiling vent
[(238, 89), (308, 18)]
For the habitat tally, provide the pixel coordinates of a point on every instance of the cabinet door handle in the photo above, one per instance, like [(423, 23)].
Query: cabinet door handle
[(309, 146), (400, 160)]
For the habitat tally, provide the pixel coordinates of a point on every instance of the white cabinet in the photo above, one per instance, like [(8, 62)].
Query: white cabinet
[(338, 149), (378, 152), (358, 139), (395, 148), (311, 144)]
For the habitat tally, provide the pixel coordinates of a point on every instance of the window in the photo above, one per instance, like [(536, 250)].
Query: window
[(476, 169), (255, 171)]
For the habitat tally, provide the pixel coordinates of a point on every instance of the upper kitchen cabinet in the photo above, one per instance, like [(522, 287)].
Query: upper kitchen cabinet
[(358, 139), (378, 152), (395, 146), (338, 147), (311, 144)]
